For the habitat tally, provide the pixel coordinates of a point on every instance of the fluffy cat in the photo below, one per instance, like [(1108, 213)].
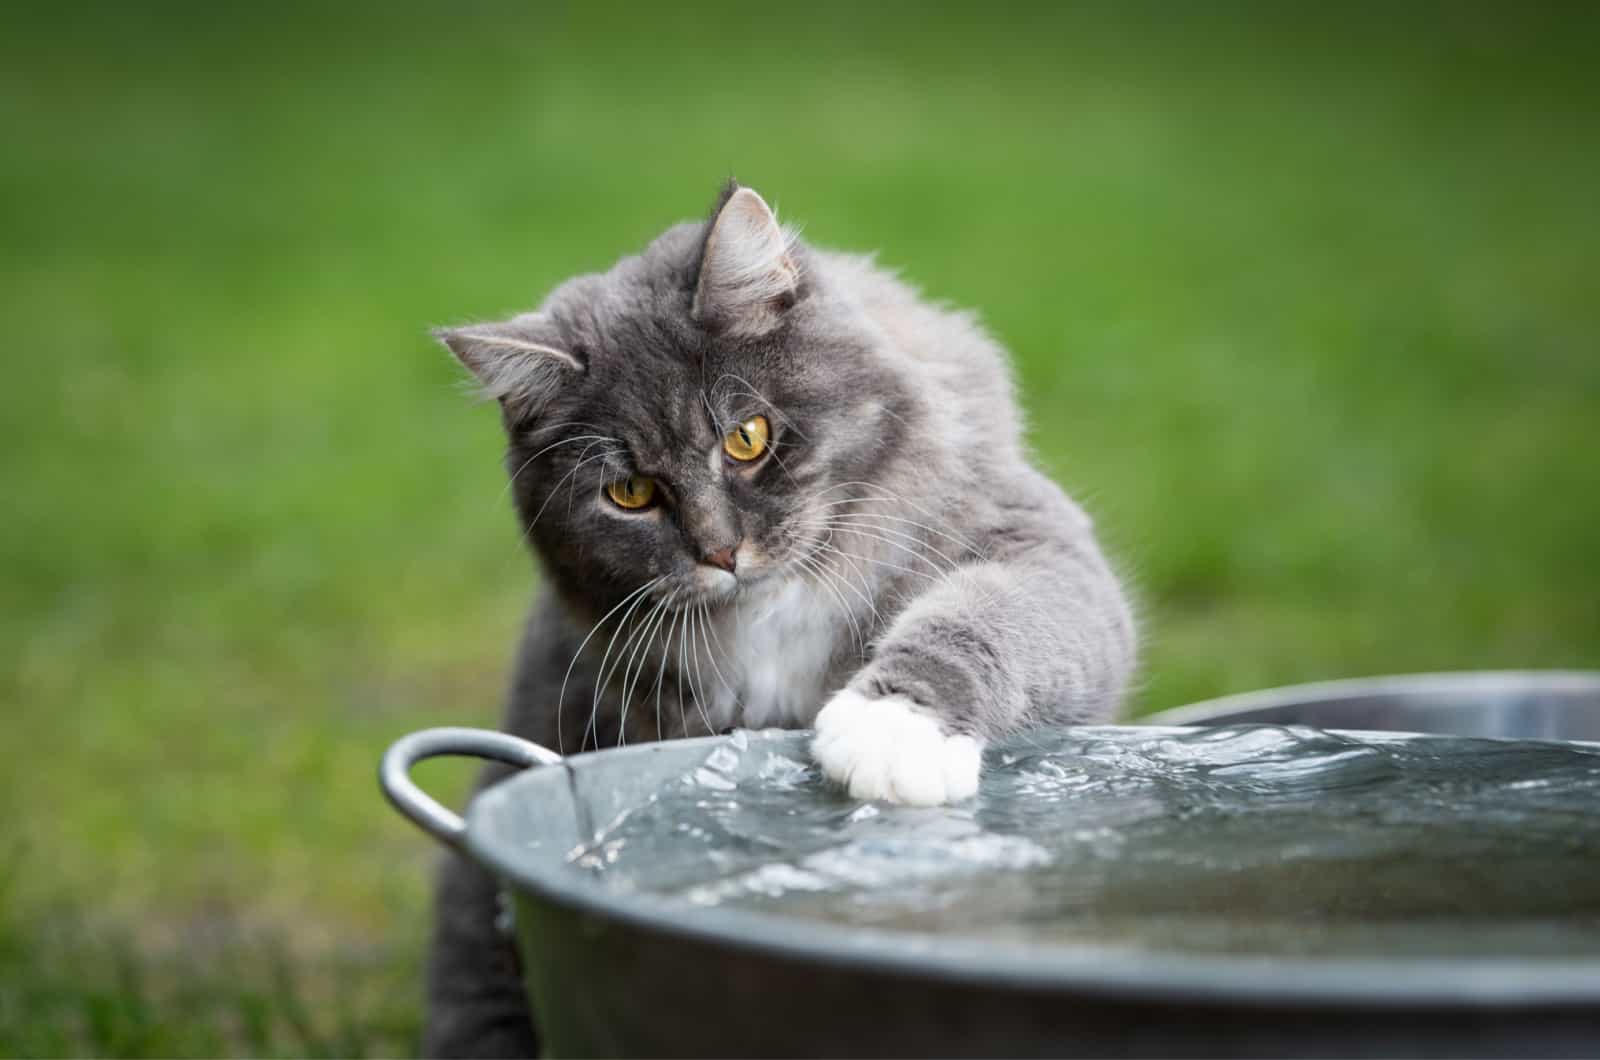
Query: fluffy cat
[(770, 486)]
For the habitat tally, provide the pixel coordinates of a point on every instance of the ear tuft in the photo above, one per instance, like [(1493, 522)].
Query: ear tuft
[(515, 361), (748, 277)]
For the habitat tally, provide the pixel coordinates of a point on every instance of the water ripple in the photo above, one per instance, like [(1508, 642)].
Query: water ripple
[(1263, 839)]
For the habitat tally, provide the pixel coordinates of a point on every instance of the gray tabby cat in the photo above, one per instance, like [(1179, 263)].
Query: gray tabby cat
[(770, 486)]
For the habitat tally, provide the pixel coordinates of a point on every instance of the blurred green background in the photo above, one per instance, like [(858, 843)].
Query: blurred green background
[(1304, 299)]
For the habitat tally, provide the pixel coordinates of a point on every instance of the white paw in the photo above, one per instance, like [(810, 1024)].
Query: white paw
[(893, 750)]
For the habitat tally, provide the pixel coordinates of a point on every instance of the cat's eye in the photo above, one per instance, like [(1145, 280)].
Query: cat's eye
[(632, 493), (749, 440)]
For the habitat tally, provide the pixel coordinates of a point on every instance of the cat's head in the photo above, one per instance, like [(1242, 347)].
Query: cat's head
[(687, 419)]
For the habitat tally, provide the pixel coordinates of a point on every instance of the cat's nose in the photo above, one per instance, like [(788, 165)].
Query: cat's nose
[(723, 557)]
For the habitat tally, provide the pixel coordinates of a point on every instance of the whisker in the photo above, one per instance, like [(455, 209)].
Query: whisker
[(751, 391), (583, 458), (661, 670), (861, 594), (886, 517), (884, 492), (571, 479), (711, 412), (546, 427), (693, 675), (700, 699), (712, 658), (816, 570), (511, 480), (572, 488), (600, 684), (561, 699), (845, 574), (635, 640), (638, 642), (773, 452), (873, 534), (952, 538), (847, 524), (879, 562), (683, 631), (641, 652)]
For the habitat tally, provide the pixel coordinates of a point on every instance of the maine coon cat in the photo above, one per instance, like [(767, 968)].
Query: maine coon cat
[(770, 486)]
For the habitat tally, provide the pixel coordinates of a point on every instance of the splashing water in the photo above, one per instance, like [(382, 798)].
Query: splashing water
[(1244, 839)]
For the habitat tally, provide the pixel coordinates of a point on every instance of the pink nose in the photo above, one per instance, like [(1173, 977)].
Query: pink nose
[(722, 557)]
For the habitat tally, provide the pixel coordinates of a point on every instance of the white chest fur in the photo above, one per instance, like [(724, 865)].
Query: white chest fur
[(777, 644)]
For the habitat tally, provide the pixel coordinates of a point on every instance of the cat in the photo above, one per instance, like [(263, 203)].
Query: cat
[(769, 485)]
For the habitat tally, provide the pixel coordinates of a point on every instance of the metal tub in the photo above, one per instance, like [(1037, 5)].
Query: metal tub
[(616, 974), (1520, 705)]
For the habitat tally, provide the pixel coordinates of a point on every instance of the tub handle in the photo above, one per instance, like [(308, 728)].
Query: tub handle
[(394, 773)]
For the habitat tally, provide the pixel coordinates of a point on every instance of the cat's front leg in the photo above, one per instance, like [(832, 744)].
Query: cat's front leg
[(991, 649)]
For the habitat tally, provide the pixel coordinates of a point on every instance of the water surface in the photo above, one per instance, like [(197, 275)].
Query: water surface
[(1244, 839)]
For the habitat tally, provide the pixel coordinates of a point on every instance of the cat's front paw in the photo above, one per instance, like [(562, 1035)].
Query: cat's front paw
[(891, 749)]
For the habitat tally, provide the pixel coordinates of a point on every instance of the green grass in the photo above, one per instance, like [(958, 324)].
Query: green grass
[(1304, 306)]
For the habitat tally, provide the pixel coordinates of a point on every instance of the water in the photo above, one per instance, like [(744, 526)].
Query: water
[(1245, 839)]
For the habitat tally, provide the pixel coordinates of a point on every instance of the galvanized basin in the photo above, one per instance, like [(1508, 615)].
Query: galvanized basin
[(636, 974), (1509, 704)]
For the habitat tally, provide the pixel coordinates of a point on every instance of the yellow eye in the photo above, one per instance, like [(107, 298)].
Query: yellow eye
[(632, 493), (748, 440)]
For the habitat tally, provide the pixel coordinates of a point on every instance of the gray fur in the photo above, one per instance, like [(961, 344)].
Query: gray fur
[(956, 573)]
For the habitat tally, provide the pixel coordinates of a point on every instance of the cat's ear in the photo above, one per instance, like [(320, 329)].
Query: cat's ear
[(518, 362), (748, 277)]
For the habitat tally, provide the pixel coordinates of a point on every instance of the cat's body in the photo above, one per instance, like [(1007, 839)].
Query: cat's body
[(887, 551)]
